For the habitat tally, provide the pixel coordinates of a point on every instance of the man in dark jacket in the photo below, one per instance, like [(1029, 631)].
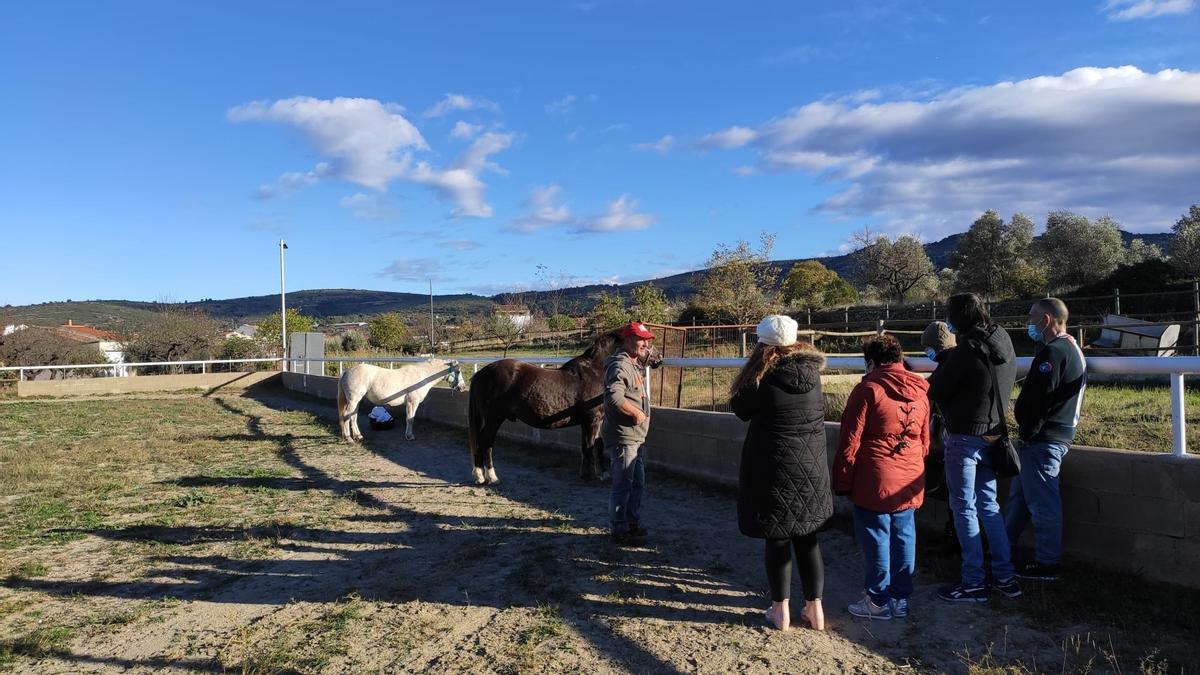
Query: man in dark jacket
[(972, 387), (1047, 414)]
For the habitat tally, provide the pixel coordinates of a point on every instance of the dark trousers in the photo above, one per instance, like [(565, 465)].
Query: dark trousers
[(808, 559)]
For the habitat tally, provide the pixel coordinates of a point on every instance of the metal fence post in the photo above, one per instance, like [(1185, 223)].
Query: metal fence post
[(1116, 301), (1196, 317), (1178, 421)]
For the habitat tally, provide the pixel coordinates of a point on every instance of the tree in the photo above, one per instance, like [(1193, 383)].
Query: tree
[(811, 285), (554, 285), (650, 304), (502, 328), (560, 322), (239, 348), (388, 332), (740, 284), (268, 329), (37, 346), (609, 312), (895, 266), (991, 254), (1139, 251), (176, 336), (1185, 250), (1077, 251)]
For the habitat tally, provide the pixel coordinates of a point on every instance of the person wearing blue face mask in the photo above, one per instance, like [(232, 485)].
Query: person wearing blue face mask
[(1047, 412), (971, 387)]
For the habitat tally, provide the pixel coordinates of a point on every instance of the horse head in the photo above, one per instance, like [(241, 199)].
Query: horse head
[(455, 378), (653, 358)]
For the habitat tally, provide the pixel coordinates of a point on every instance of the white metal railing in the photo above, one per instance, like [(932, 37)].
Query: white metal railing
[(1175, 367), (20, 370)]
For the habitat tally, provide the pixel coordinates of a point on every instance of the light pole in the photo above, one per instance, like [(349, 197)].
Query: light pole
[(282, 306)]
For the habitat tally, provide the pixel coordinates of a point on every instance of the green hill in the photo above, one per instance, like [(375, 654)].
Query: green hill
[(340, 304)]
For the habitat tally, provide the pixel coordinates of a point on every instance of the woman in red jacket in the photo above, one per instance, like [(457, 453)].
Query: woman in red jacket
[(880, 464)]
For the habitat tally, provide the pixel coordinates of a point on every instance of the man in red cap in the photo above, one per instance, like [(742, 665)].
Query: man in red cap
[(626, 423)]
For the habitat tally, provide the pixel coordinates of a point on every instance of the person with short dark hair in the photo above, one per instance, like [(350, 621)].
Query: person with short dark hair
[(972, 387), (880, 465), (783, 478), (1047, 413)]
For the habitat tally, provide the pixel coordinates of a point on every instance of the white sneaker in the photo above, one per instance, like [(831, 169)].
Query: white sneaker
[(867, 609)]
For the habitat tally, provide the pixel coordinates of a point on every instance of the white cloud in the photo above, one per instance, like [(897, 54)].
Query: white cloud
[(1106, 140), (562, 106), (460, 244), (413, 269), (460, 102), (366, 140), (460, 183), (621, 216), (370, 206), (292, 181), (733, 137), (370, 143), (661, 145), (465, 130), (543, 212), (1129, 10)]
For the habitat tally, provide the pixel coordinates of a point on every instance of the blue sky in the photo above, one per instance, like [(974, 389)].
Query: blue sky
[(159, 151)]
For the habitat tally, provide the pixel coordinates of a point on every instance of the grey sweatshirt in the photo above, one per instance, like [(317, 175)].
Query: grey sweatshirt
[(623, 381)]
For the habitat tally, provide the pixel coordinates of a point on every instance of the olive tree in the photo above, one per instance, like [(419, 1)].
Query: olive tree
[(896, 266), (739, 283)]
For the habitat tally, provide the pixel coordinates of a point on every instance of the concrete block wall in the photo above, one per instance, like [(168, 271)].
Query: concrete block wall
[(1131, 511), (141, 383)]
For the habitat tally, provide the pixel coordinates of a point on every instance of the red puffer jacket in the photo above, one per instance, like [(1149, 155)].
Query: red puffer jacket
[(884, 438)]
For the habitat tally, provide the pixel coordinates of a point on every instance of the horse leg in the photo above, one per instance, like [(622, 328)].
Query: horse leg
[(587, 466), (352, 417), (343, 424), (594, 461), (485, 470), (410, 412)]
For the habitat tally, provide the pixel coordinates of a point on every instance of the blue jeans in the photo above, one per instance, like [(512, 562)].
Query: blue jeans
[(889, 546), (1035, 497), (628, 481), (971, 484)]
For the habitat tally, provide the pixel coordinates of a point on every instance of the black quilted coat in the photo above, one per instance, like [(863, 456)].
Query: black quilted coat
[(783, 483)]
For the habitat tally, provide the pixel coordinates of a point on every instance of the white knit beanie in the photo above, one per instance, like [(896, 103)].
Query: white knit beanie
[(777, 330)]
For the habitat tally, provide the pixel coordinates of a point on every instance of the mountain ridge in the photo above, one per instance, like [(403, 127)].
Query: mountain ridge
[(358, 304)]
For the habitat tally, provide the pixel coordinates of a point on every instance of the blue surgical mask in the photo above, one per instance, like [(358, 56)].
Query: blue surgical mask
[(1034, 333), (950, 327), (931, 353)]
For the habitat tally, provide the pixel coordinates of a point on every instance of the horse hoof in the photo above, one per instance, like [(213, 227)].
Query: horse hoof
[(410, 437)]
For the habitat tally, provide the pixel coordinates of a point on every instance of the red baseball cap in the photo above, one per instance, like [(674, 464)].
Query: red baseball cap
[(637, 328)]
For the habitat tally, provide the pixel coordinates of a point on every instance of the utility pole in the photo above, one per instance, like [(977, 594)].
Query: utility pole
[(432, 343), (282, 306)]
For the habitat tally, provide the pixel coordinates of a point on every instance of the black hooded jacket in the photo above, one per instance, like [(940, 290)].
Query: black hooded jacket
[(962, 384), (783, 480)]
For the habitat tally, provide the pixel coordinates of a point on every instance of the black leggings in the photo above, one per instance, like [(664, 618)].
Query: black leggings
[(808, 558)]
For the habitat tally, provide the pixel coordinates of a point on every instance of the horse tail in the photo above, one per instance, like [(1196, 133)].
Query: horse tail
[(475, 412)]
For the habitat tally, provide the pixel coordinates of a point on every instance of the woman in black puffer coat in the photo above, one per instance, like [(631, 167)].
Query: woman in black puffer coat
[(783, 483)]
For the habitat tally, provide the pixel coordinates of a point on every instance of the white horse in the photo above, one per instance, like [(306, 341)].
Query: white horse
[(409, 384)]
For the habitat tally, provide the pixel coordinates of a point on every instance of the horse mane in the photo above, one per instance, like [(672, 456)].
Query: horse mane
[(603, 344)]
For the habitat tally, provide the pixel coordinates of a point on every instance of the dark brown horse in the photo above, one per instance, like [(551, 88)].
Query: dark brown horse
[(545, 398)]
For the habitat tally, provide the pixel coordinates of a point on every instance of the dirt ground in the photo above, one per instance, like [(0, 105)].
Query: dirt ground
[(410, 569)]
